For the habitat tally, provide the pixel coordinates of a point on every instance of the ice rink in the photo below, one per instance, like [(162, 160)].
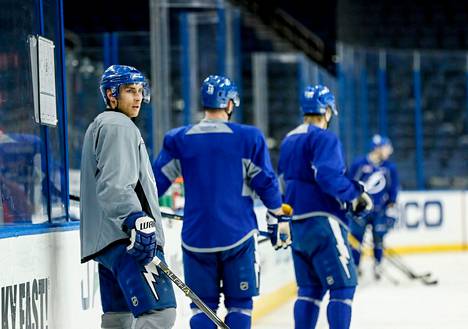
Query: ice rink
[(406, 305)]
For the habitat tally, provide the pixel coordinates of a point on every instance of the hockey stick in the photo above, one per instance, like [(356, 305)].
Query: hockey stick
[(178, 217), (178, 282), (189, 293), (394, 259)]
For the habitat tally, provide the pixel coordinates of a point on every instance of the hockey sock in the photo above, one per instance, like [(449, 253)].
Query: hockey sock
[(307, 307), (356, 256), (239, 319), (378, 254), (201, 321), (339, 308), (239, 314)]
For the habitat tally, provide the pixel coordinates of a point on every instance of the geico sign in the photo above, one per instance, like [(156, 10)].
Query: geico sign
[(428, 213)]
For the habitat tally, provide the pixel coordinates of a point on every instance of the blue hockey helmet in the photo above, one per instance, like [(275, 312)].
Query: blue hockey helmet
[(316, 99), (116, 75), (379, 141), (217, 91)]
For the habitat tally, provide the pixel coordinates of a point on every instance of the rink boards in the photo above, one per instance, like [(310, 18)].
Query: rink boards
[(43, 284)]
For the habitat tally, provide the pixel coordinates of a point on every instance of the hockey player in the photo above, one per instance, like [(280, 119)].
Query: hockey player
[(380, 178), (312, 172), (223, 164), (120, 218)]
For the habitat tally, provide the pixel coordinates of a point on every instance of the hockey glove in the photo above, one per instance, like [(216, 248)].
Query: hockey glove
[(278, 227), (142, 231), (362, 205)]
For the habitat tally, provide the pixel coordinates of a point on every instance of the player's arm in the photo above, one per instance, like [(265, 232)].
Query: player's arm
[(166, 167), (281, 181), (394, 184), (354, 170), (117, 155), (264, 182), (329, 169), (261, 176)]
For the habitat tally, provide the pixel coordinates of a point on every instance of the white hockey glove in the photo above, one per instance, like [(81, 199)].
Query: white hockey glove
[(362, 205), (142, 231), (278, 227)]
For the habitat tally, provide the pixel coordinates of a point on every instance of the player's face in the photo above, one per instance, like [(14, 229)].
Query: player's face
[(386, 151), (130, 97)]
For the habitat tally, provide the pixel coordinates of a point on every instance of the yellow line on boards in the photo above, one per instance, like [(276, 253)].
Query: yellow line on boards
[(428, 249)]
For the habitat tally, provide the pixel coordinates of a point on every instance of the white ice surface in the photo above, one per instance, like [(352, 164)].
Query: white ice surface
[(408, 305)]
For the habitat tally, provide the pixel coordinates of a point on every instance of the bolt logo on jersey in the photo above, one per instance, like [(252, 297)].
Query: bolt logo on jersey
[(375, 183), (380, 180)]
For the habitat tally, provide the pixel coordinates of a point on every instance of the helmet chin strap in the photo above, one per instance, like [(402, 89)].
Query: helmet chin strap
[(229, 114)]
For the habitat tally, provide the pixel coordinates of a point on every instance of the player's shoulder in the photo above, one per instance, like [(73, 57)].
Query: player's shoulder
[(115, 123), (360, 160), (245, 129), (114, 118), (178, 131), (389, 164), (323, 134), (300, 130)]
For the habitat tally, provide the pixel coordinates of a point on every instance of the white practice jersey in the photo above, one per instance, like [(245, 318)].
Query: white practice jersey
[(116, 181)]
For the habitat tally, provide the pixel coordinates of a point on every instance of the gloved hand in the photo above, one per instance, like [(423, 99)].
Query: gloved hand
[(278, 227), (362, 205), (142, 231)]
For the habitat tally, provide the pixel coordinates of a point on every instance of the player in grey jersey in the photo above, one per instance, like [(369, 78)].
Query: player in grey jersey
[(120, 218)]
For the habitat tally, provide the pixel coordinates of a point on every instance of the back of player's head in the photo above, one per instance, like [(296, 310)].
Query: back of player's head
[(216, 92), (379, 141), (116, 75), (316, 99)]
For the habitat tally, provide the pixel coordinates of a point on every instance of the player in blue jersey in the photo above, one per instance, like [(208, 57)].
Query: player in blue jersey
[(380, 178), (312, 174), (223, 165), (120, 225)]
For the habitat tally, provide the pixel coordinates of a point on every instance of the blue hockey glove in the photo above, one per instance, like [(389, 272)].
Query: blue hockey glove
[(278, 227), (142, 231)]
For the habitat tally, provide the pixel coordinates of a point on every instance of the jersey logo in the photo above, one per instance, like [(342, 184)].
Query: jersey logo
[(375, 183), (244, 285)]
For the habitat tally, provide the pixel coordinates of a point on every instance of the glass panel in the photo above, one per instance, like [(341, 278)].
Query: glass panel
[(55, 136), (22, 156)]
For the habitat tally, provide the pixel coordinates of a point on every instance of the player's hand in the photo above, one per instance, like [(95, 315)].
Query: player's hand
[(362, 205), (142, 231), (279, 227)]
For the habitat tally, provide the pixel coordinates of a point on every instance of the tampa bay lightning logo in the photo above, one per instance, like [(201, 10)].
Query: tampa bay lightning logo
[(376, 182)]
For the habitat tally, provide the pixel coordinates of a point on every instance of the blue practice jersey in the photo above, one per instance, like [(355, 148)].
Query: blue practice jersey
[(313, 171), (223, 165), (381, 181)]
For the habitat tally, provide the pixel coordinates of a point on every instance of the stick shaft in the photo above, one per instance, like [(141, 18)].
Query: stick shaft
[(190, 294)]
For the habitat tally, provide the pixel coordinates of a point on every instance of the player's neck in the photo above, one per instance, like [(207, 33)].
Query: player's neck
[(216, 115), (317, 121), (374, 158)]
